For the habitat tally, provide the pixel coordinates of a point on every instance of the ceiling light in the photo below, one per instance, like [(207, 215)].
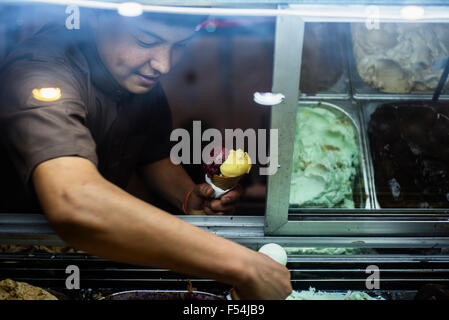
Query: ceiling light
[(412, 12), (268, 98), (130, 9)]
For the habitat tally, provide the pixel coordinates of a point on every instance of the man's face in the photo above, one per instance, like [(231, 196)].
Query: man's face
[(138, 51)]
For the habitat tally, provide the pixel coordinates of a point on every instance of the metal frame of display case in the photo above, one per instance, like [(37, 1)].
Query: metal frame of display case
[(257, 2), (34, 229)]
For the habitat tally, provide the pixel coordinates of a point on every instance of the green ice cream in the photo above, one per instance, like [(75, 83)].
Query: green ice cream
[(312, 294), (325, 160), (326, 251)]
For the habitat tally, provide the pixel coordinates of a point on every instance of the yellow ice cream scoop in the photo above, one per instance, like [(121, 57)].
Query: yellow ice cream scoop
[(237, 163)]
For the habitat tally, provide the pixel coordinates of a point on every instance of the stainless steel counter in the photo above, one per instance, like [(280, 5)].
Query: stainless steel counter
[(33, 229)]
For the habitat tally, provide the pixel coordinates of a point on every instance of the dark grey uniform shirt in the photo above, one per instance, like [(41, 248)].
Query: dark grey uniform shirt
[(95, 118)]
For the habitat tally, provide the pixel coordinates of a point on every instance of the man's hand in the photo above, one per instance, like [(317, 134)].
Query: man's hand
[(267, 279), (160, 176), (202, 201)]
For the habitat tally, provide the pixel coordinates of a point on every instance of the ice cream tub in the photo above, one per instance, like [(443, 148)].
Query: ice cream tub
[(162, 295), (329, 162), (399, 61), (408, 158)]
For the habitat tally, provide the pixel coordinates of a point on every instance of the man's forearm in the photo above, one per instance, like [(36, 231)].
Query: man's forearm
[(92, 214), (96, 216), (171, 181)]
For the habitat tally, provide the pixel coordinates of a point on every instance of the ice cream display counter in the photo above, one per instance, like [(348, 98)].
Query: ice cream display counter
[(374, 163), (322, 268), (361, 184)]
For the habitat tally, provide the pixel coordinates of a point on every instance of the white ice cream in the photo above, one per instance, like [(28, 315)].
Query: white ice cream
[(275, 252), (399, 57)]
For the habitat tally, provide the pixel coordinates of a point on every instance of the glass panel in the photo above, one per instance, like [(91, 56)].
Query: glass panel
[(215, 84), (377, 153), (406, 139), (186, 72), (324, 68)]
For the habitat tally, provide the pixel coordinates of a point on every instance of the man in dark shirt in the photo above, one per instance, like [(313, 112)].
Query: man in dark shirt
[(78, 114)]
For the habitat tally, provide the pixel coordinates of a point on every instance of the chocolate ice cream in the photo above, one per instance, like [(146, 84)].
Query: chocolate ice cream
[(409, 145)]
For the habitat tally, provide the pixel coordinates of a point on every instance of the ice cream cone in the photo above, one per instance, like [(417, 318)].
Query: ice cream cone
[(225, 183), (195, 212)]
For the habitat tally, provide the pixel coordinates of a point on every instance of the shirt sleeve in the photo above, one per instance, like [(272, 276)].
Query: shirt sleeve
[(158, 144), (35, 131)]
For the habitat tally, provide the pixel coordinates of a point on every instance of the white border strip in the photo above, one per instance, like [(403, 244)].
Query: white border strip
[(310, 12)]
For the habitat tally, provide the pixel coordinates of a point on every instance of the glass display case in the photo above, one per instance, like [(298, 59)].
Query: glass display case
[(353, 96), (367, 164)]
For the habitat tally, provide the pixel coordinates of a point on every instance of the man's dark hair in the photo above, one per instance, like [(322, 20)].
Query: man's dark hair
[(176, 19), (189, 20)]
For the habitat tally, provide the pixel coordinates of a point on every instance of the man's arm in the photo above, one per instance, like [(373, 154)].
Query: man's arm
[(173, 183), (90, 213), (169, 180)]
